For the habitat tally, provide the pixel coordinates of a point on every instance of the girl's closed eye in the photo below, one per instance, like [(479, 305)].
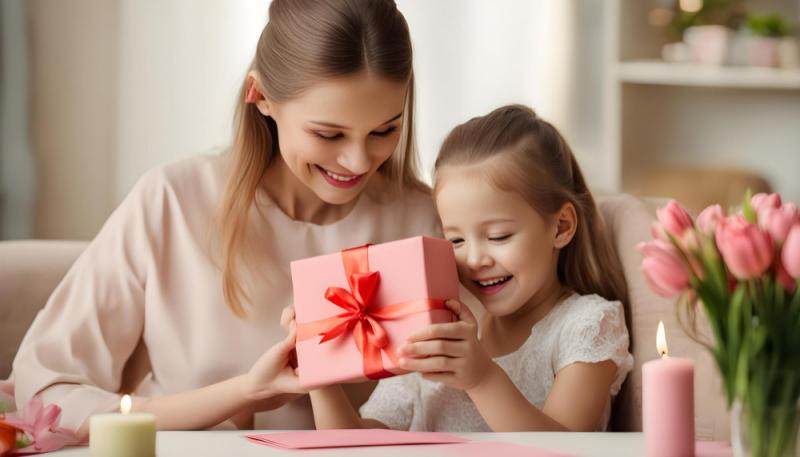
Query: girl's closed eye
[(456, 241), (503, 237)]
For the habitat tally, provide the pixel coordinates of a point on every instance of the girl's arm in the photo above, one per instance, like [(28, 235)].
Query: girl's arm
[(333, 409), (332, 406), (451, 353), (576, 401)]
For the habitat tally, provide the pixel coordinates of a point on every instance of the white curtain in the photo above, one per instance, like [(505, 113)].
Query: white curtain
[(179, 69), (472, 56), (17, 169)]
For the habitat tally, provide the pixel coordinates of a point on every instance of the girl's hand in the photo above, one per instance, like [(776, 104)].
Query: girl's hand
[(449, 353), (272, 375)]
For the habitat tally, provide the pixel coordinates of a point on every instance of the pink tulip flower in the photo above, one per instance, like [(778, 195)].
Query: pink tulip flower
[(672, 219), (791, 252), (762, 200), (747, 250), (778, 221), (663, 268), (709, 218)]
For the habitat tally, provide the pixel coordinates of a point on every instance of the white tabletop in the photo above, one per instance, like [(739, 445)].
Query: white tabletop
[(231, 443)]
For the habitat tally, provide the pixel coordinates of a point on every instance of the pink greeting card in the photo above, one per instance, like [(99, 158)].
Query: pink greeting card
[(315, 439)]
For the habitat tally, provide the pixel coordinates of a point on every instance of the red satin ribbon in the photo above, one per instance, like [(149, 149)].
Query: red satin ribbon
[(359, 317)]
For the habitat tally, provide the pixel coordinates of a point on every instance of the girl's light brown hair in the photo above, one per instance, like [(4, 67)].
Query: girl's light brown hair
[(527, 155), (305, 42)]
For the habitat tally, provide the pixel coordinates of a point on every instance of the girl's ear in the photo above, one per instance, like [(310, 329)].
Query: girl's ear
[(566, 221), (255, 94)]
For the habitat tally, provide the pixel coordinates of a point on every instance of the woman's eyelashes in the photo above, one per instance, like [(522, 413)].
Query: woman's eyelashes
[(328, 136), (331, 136)]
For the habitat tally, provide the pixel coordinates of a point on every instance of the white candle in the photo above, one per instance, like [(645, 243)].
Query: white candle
[(123, 435)]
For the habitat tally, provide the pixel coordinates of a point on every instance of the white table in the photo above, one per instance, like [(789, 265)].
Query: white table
[(231, 443)]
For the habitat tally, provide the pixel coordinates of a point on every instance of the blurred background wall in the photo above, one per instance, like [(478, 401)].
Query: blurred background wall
[(95, 92)]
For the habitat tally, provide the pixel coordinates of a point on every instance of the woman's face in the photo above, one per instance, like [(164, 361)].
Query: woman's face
[(505, 250), (335, 135)]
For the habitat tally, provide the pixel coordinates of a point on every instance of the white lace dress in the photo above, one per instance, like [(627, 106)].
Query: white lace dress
[(582, 328)]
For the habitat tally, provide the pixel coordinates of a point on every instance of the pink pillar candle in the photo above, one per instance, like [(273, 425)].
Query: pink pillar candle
[(668, 404)]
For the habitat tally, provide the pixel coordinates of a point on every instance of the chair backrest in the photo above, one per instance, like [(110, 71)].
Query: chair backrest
[(29, 271), (629, 220)]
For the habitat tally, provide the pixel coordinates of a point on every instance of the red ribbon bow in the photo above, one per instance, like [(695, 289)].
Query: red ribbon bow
[(359, 317)]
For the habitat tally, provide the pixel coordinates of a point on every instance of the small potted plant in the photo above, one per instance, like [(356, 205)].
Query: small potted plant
[(764, 33), (707, 31)]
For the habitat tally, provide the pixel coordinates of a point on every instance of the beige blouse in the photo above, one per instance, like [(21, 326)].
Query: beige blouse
[(148, 277)]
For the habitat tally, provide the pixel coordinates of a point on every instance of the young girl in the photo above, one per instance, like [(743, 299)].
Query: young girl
[(552, 349), (177, 300)]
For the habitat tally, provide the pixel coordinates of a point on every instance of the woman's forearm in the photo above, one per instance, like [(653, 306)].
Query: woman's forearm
[(197, 409), (505, 409)]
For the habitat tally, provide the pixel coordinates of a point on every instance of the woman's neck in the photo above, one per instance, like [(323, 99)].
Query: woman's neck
[(297, 200)]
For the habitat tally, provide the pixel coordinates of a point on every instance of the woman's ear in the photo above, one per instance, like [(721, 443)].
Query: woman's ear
[(255, 94), (566, 220)]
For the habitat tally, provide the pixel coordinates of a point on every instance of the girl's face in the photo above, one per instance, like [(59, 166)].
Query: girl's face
[(505, 250), (336, 134)]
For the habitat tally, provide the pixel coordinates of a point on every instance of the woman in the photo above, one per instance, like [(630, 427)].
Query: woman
[(190, 273)]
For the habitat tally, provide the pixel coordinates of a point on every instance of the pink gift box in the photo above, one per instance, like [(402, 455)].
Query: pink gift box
[(414, 278)]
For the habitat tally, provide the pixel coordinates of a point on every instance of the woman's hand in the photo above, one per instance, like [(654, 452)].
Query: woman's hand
[(449, 353), (272, 374)]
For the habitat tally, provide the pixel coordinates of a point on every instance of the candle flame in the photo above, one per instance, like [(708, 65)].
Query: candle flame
[(125, 404), (661, 340)]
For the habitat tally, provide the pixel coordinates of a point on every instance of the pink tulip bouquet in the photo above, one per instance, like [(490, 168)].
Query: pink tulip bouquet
[(743, 270)]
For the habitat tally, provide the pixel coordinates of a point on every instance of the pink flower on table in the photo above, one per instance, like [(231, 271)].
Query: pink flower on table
[(778, 221), (41, 424), (672, 219), (762, 200), (747, 250), (7, 402), (790, 256), (709, 218), (663, 268)]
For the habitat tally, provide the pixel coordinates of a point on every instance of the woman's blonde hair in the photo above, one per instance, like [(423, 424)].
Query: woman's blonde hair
[(305, 42), (536, 162)]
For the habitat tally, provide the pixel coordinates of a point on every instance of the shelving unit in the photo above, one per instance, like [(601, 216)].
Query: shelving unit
[(671, 74), (649, 114)]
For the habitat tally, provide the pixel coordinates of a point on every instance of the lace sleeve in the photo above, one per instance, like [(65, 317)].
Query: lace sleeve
[(595, 331), (392, 402)]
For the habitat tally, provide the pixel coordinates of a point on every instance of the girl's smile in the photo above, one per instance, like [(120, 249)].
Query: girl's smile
[(491, 286)]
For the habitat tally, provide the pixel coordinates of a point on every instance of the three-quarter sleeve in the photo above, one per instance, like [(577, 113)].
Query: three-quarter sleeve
[(74, 353)]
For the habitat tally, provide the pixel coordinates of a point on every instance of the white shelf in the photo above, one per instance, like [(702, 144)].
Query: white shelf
[(673, 74)]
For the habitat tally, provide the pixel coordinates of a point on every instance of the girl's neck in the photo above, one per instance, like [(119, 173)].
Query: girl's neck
[(505, 334), (297, 200)]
